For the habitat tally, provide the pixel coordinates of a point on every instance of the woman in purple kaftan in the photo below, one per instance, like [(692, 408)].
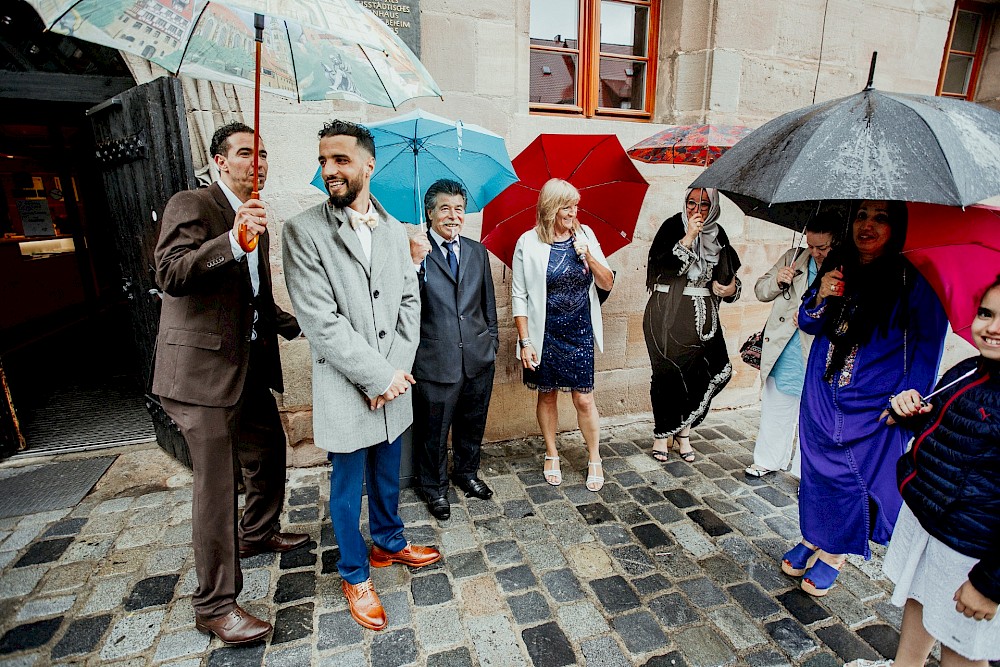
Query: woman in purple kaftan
[(879, 329)]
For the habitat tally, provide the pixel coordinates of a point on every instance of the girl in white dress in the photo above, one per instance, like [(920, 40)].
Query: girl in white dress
[(944, 556)]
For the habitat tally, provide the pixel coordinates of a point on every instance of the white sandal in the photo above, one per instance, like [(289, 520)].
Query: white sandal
[(597, 480), (754, 470), (557, 473)]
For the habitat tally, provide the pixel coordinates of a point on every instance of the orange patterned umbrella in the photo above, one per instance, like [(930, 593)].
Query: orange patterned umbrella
[(688, 144)]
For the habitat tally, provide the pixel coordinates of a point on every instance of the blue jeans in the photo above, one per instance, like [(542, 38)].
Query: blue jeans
[(379, 465)]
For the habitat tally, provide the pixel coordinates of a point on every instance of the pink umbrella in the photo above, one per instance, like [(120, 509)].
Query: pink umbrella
[(958, 252)]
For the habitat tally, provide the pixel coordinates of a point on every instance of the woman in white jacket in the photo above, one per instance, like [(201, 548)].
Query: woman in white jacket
[(557, 267), (785, 349)]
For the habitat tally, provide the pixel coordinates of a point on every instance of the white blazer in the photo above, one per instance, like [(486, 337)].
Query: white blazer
[(528, 287)]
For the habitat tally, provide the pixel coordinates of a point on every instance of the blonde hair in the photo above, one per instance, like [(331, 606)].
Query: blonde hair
[(555, 194)]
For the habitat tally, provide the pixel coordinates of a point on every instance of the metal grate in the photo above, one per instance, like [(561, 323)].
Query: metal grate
[(102, 413), (50, 486)]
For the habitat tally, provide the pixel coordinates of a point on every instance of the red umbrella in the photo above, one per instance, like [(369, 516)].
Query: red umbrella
[(689, 144), (958, 252), (611, 190)]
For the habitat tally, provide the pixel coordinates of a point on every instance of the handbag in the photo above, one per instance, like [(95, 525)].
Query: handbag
[(751, 349), (603, 294)]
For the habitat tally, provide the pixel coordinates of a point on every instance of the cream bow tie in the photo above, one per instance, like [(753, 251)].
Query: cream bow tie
[(358, 219)]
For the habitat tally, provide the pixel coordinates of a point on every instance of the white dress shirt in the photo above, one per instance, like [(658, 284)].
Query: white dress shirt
[(239, 254), (439, 241), (364, 233)]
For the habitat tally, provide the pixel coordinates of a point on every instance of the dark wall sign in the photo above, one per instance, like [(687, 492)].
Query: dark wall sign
[(402, 16)]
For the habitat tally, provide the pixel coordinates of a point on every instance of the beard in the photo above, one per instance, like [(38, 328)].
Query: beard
[(353, 190)]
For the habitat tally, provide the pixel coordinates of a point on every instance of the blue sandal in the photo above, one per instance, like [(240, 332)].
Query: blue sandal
[(819, 579), (798, 559)]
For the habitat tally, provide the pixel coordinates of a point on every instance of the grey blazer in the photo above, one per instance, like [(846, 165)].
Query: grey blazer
[(362, 322), (458, 319)]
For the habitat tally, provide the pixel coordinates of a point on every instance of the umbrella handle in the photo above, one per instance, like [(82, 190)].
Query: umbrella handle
[(243, 237), (246, 241)]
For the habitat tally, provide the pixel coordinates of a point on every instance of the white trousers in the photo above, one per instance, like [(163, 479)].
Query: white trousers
[(779, 429)]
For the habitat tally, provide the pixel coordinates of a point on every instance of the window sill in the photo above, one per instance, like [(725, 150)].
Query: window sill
[(623, 115)]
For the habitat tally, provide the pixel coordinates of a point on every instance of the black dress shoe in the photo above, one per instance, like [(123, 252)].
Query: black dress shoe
[(439, 507), (473, 486)]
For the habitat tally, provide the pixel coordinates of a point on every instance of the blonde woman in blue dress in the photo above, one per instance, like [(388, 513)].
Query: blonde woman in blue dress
[(558, 266)]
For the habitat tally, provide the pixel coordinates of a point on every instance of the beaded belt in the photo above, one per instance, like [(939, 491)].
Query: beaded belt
[(688, 291)]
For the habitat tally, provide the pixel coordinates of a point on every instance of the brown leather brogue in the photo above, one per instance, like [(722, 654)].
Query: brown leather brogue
[(278, 543), (366, 608), (411, 555), (237, 627)]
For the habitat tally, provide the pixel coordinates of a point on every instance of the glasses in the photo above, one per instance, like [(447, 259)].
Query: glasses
[(704, 205)]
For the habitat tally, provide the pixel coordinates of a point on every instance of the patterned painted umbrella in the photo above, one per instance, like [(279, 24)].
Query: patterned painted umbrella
[(311, 49), (688, 144), (302, 49)]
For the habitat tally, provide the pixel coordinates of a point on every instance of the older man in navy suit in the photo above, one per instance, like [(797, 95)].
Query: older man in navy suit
[(454, 365)]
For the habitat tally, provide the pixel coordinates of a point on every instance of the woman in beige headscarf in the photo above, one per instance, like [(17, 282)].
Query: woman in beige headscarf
[(691, 269)]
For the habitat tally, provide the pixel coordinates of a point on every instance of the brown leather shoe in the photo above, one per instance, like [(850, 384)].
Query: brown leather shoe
[(237, 627), (278, 543), (411, 555), (366, 608)]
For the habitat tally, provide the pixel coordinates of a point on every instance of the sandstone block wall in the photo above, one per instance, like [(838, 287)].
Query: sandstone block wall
[(720, 61)]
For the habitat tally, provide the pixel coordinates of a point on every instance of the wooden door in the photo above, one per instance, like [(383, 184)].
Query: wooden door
[(11, 440), (143, 152)]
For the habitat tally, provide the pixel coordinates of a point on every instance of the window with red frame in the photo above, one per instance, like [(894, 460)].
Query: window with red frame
[(964, 51), (594, 57)]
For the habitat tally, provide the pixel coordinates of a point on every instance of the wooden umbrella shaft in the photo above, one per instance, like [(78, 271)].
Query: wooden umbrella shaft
[(246, 241)]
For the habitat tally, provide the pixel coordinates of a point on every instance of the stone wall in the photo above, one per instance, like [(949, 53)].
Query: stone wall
[(721, 61)]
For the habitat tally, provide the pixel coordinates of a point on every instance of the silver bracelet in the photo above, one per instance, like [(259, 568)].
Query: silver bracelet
[(523, 343)]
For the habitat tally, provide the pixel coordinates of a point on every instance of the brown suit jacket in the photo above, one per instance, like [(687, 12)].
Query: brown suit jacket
[(203, 345)]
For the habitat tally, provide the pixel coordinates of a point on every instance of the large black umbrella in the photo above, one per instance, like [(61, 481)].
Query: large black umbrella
[(871, 145)]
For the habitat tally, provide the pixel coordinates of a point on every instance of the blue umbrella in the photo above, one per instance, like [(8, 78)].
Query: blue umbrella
[(418, 148)]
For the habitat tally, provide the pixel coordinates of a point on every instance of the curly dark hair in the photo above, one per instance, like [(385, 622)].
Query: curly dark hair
[(339, 127), (220, 140)]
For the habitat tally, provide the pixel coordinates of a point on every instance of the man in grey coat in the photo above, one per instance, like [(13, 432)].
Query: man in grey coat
[(349, 276)]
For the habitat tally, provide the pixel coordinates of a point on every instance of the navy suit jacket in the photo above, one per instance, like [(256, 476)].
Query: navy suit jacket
[(458, 319)]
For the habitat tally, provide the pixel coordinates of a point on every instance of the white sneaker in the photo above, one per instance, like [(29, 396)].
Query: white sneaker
[(869, 663)]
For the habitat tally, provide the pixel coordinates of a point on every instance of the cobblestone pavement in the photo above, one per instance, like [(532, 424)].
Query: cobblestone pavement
[(670, 565)]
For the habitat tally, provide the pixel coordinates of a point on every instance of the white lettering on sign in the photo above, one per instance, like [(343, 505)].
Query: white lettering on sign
[(389, 11), (398, 15)]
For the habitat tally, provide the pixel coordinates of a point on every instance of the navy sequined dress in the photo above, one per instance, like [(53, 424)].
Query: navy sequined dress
[(567, 362)]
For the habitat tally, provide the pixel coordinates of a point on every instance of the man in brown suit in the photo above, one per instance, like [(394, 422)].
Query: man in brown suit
[(216, 362)]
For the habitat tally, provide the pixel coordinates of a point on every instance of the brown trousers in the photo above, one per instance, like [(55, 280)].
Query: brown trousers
[(222, 441)]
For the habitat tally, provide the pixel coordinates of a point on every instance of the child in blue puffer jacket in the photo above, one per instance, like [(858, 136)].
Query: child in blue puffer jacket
[(944, 556)]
